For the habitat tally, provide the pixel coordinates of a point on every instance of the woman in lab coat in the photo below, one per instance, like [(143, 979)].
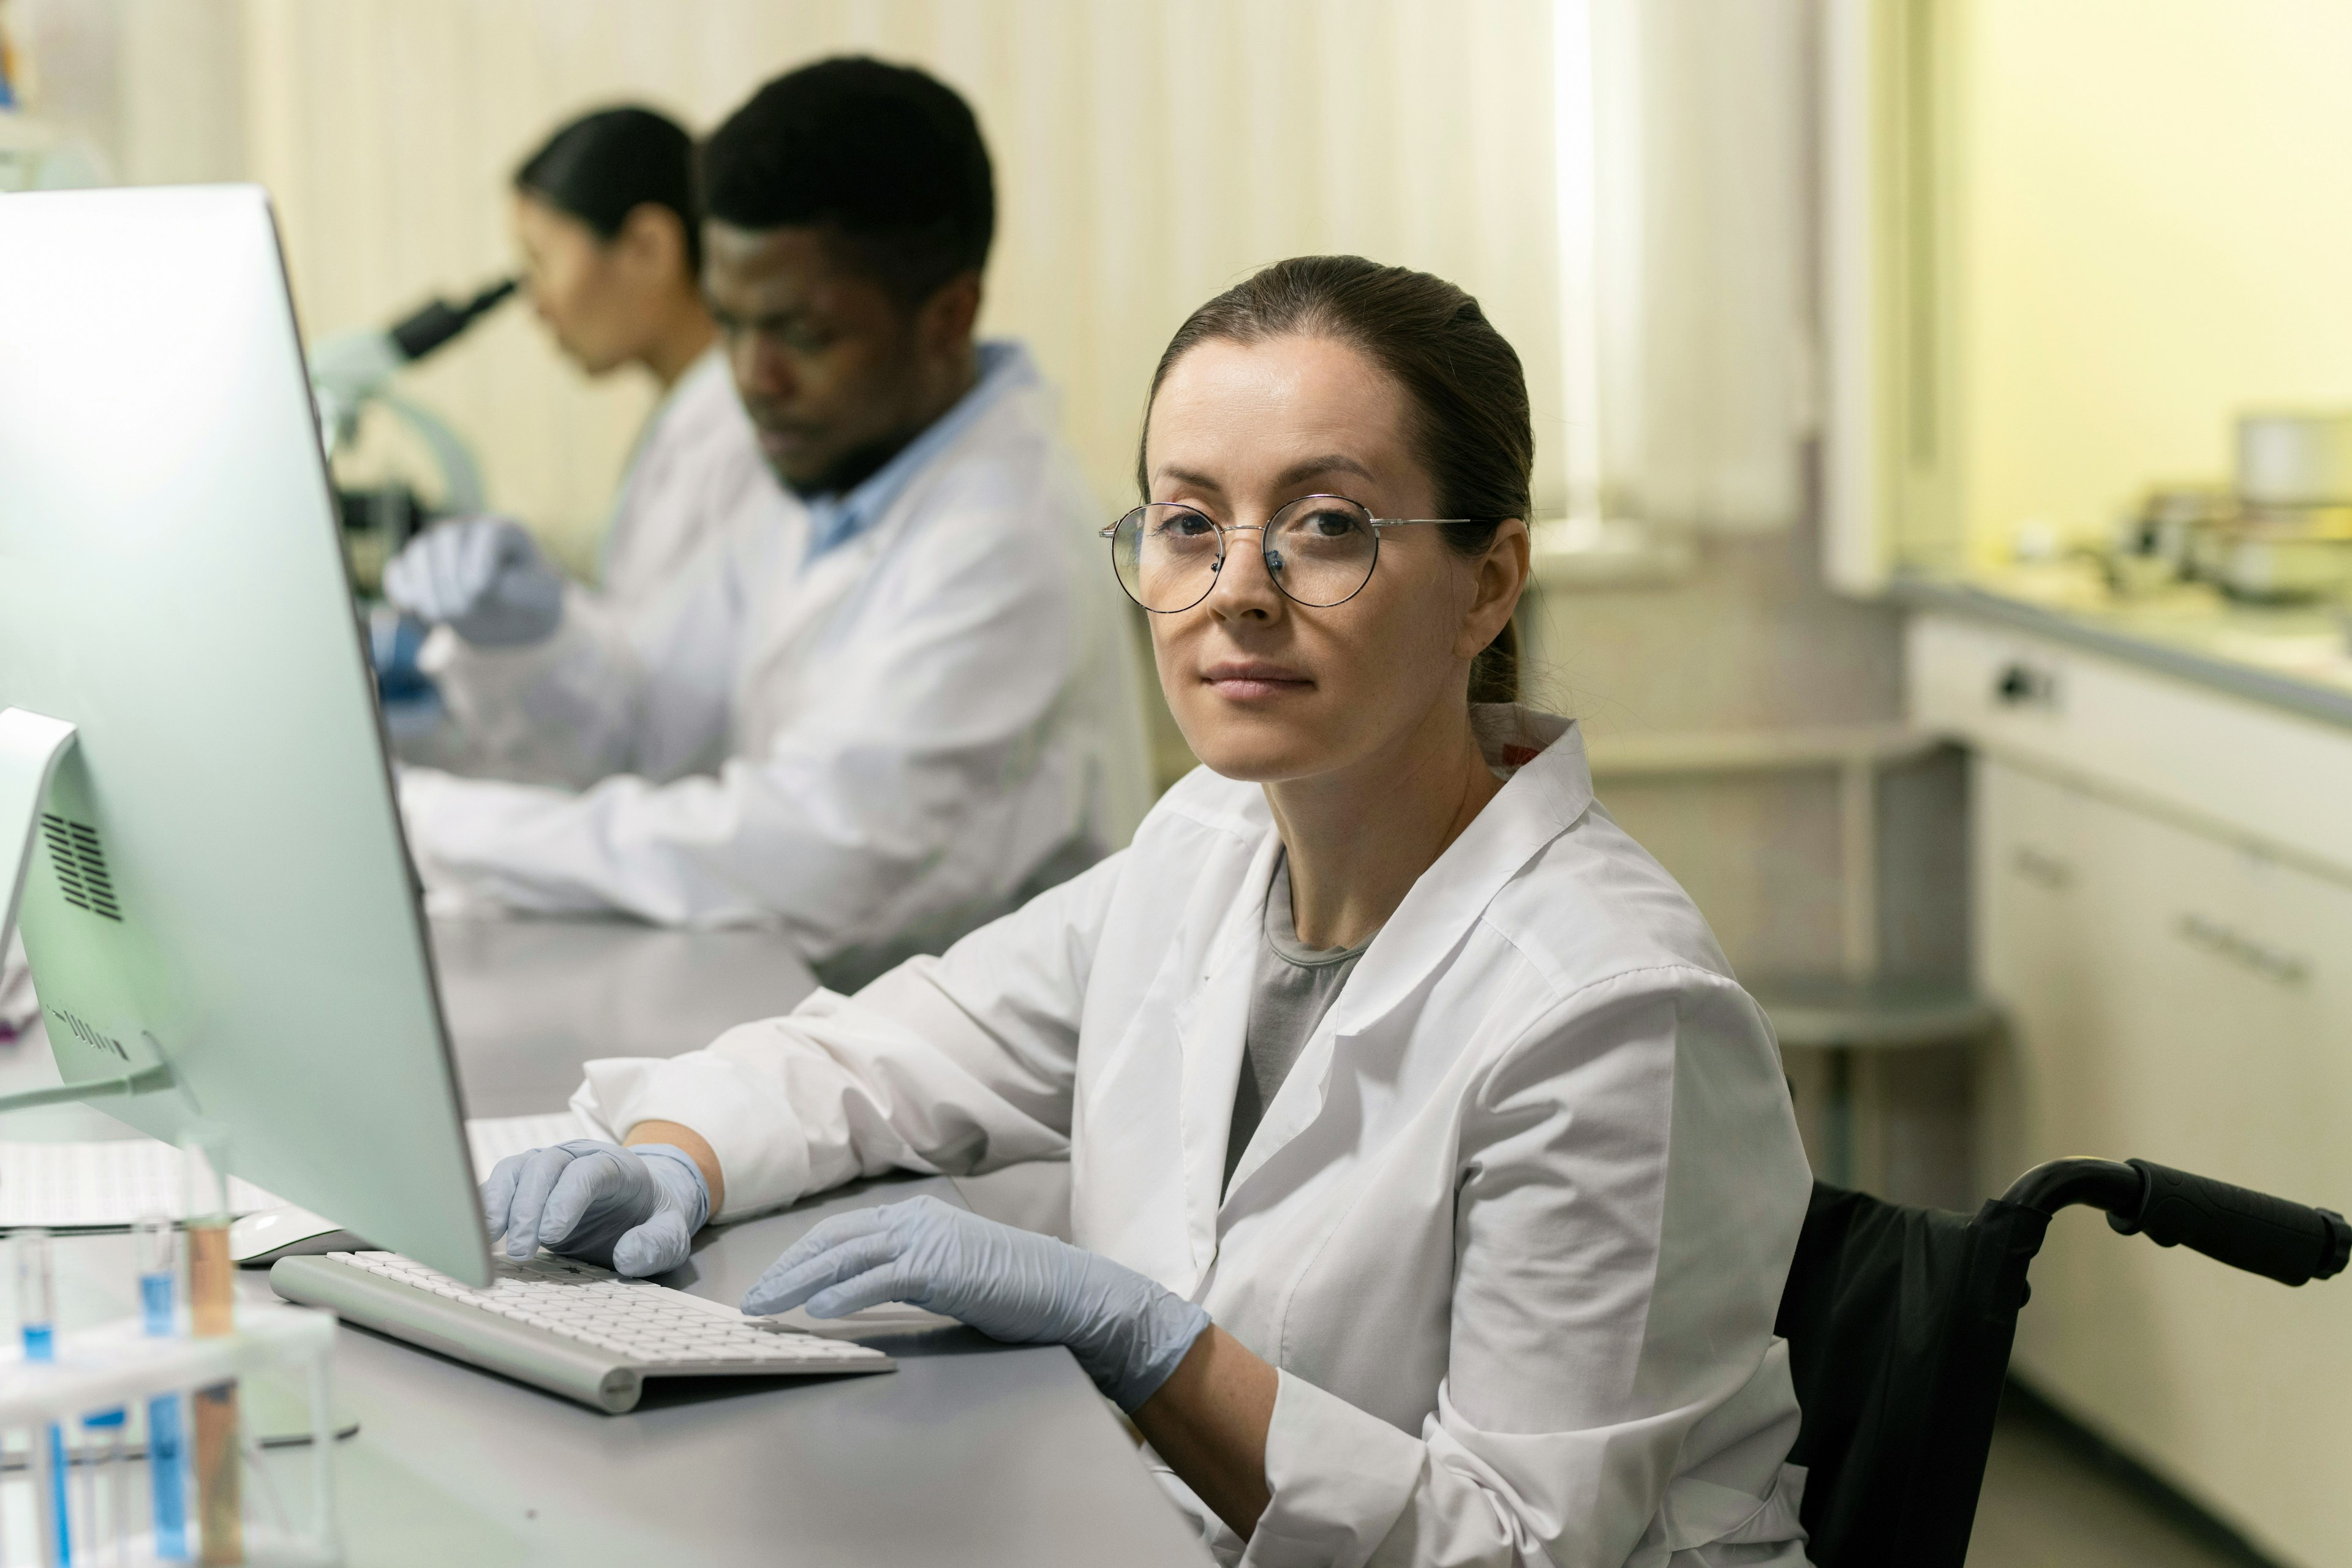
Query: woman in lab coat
[(607, 217), (610, 234), (1433, 1181)]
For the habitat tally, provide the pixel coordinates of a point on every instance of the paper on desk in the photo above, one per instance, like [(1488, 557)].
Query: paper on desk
[(80, 1187), (115, 1182), (493, 1138)]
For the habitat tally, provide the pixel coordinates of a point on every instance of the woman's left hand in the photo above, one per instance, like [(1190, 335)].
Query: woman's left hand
[(1128, 1331)]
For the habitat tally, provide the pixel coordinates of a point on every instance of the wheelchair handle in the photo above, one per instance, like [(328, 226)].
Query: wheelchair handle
[(2245, 1229)]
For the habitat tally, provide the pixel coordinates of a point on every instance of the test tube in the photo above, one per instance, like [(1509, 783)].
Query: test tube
[(167, 1458), (212, 1312), (37, 1311), (100, 1532)]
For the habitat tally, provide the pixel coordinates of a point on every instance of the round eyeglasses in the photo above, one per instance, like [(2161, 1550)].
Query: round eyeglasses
[(1319, 551)]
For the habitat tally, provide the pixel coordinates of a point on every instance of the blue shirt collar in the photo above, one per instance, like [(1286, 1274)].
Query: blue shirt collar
[(835, 519)]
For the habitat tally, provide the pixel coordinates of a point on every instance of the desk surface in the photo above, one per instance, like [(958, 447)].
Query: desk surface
[(970, 1453), (528, 1000)]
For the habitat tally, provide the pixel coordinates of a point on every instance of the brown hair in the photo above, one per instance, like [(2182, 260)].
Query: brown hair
[(1469, 396)]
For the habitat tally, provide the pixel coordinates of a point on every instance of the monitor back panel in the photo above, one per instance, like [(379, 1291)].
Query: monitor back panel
[(221, 884)]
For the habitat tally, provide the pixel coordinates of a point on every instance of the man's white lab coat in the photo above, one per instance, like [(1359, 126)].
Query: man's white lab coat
[(876, 749), (1514, 1229)]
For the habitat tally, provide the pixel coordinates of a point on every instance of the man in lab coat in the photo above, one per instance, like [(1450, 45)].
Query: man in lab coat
[(894, 703)]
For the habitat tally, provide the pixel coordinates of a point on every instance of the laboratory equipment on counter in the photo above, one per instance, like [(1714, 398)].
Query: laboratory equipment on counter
[(2279, 533), (352, 369), (167, 1481), (36, 1315), (2289, 537), (120, 1366), (36, 156), (352, 372), (2153, 547), (196, 809), (212, 1314), (2291, 460)]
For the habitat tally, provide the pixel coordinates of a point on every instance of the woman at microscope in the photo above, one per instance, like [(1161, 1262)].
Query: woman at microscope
[(606, 218)]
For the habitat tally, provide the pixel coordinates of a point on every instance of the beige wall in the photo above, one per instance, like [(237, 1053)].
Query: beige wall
[(1415, 131), (1148, 152), (2155, 210)]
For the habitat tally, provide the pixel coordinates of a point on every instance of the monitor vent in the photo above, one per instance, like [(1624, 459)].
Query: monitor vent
[(81, 866), (90, 1034)]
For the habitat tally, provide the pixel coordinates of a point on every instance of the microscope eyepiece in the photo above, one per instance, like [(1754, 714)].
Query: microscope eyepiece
[(440, 321)]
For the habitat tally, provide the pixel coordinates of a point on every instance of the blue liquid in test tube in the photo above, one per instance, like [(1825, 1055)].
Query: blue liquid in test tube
[(167, 1449), (36, 1311)]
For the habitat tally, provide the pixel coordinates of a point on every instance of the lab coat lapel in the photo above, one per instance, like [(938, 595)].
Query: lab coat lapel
[(1550, 789), (814, 587), (808, 591), (1213, 1027)]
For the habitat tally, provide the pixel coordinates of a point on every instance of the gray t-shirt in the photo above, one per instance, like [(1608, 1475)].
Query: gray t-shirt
[(1296, 985)]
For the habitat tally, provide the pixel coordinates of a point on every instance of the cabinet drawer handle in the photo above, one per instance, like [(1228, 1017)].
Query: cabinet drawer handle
[(2223, 942), (2043, 870), (2019, 683)]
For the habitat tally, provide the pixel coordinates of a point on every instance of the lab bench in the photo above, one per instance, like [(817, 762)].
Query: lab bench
[(970, 1452)]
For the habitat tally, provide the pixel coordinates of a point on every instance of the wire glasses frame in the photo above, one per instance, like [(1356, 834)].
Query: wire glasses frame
[(1319, 551)]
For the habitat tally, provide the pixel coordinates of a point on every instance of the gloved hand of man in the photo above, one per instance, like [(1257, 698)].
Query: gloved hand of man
[(482, 577), (1128, 1331), (634, 1210)]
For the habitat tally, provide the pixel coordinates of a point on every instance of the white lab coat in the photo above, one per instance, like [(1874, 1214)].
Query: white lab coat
[(1514, 1229), (876, 750), (697, 474), (697, 465)]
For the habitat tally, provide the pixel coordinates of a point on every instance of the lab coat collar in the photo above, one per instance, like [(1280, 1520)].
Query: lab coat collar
[(690, 388), (1548, 788), (833, 519), (1019, 408), (1213, 1027)]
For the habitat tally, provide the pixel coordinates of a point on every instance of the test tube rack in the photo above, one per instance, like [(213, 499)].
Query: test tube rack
[(119, 1366)]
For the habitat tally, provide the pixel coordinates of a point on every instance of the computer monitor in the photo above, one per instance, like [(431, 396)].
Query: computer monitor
[(219, 886)]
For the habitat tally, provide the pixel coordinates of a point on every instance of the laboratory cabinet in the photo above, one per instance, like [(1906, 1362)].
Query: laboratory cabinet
[(2178, 985)]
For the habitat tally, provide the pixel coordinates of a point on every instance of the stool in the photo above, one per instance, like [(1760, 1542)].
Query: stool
[(1857, 1012), (1842, 1017)]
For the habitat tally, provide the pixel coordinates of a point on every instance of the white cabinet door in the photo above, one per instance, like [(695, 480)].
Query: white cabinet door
[(2175, 998)]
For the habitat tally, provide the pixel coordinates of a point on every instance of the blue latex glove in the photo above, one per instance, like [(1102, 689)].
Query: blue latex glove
[(1128, 1331), (634, 1211), (482, 577)]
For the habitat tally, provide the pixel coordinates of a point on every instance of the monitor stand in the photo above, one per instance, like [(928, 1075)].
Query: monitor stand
[(31, 746)]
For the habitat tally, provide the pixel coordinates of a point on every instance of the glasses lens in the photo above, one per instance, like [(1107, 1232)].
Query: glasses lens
[(1320, 549), (1166, 556)]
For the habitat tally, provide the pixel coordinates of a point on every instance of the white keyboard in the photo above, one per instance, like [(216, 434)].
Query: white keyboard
[(565, 1326)]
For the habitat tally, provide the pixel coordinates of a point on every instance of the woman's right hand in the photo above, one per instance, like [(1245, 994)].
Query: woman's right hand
[(632, 1210)]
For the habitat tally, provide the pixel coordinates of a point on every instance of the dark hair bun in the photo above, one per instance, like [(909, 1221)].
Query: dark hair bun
[(602, 167)]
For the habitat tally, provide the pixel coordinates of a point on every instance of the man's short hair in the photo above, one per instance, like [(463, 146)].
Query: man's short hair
[(888, 158)]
